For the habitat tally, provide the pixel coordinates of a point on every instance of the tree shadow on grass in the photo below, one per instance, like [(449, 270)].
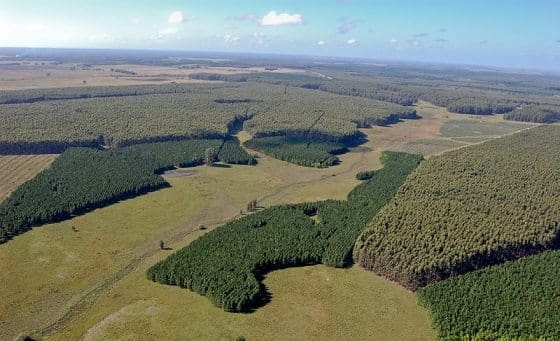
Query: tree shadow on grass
[(220, 165)]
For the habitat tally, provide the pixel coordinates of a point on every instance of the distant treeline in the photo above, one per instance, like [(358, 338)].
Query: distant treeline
[(300, 151), (126, 72), (535, 113), (177, 112), (83, 179), (228, 263), (50, 94), (472, 102)]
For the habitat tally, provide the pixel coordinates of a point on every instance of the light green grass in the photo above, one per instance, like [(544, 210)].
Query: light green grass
[(50, 269), (477, 128), (308, 303), (427, 147)]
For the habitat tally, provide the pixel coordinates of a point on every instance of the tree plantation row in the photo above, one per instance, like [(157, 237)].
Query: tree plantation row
[(200, 112), (39, 95), (515, 300), (535, 114), (227, 264), (83, 179), (300, 151), (467, 209), (469, 100)]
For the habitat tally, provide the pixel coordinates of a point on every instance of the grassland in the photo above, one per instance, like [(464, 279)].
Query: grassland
[(63, 268), (15, 170), (124, 241), (94, 279), (45, 74), (479, 129), (226, 264), (335, 304), (121, 235), (427, 147)]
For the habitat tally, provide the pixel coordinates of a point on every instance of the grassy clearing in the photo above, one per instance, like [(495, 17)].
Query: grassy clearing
[(427, 147), (339, 304), (479, 128), (226, 264), (51, 268), (15, 170)]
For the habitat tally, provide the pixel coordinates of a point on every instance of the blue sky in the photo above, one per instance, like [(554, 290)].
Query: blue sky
[(521, 34)]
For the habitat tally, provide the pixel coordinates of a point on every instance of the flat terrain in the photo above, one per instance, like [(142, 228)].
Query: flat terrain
[(440, 130), (51, 75), (338, 304), (92, 280), (17, 169)]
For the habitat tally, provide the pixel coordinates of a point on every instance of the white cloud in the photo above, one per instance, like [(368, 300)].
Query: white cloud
[(167, 32), (351, 41), (273, 19), (176, 17), (321, 42), (395, 44), (135, 21), (230, 38), (259, 37)]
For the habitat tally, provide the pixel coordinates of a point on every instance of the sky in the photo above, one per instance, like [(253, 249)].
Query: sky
[(504, 33)]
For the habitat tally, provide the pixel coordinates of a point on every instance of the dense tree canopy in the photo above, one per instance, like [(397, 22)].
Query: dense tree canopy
[(469, 208), (535, 113), (519, 299), (301, 151), (196, 111), (227, 264), (82, 179)]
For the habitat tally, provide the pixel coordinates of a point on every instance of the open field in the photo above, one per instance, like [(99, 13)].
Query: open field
[(84, 277), (475, 128), (441, 130), (50, 75), (15, 170), (335, 304)]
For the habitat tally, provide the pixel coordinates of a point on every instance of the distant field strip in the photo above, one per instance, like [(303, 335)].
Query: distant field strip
[(17, 169)]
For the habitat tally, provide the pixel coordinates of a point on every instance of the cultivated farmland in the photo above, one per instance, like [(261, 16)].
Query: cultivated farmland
[(17, 169)]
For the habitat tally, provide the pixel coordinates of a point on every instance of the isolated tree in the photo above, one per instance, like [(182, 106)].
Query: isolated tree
[(210, 156), (161, 244), (252, 205)]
